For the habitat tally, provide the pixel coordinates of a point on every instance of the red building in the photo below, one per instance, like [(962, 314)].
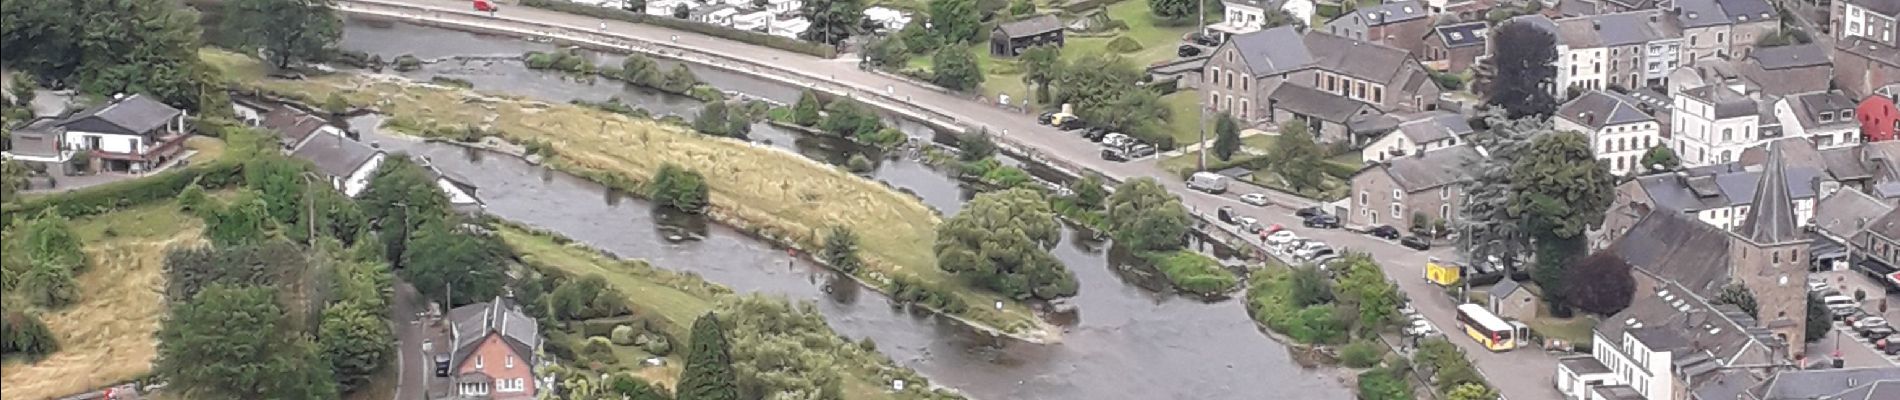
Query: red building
[(1879, 120)]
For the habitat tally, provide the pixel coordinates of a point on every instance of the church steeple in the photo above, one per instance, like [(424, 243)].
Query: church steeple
[(1771, 216)]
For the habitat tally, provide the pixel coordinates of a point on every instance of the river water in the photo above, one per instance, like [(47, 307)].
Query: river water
[(1128, 341)]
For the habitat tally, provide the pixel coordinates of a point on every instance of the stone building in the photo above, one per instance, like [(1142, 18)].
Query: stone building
[(1399, 191)]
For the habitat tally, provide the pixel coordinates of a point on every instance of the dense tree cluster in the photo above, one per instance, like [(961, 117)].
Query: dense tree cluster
[(286, 31), (1145, 217), (1526, 70), (1001, 241), (953, 67), (1558, 191), (229, 341), (680, 189), (1600, 284), (955, 21), (832, 21), (1105, 90), (107, 47), (40, 260)]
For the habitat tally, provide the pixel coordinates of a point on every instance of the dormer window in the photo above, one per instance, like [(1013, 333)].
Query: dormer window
[(1847, 115), (1827, 116)]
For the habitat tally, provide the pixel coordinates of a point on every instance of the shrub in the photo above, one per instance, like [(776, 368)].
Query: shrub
[(859, 164), (910, 290), (622, 335), (680, 188), (1383, 384), (841, 249), (1195, 273), (599, 349), (1124, 44), (656, 344), (1361, 354), (25, 334), (408, 62)]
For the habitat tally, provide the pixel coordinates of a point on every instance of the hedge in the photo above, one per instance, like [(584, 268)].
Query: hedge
[(756, 38), (124, 194)]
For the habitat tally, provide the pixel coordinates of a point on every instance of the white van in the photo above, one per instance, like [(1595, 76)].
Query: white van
[(1837, 301), (1209, 182)]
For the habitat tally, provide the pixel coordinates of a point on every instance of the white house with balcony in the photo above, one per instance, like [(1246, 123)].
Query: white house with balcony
[(1714, 123), (1246, 16), (1620, 130), (665, 8), (128, 134)]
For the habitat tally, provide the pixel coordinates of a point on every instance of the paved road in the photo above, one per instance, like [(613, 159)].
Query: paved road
[(1521, 375), (410, 333)]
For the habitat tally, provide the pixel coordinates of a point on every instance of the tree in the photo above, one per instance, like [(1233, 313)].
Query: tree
[(24, 89), (1384, 384), (717, 119), (452, 259), (268, 263), (24, 334), (974, 147), (1660, 158), (356, 340), (680, 80), (1363, 286), (633, 388), (1001, 240), (1090, 192), (589, 297), (245, 221), (847, 118), (1526, 70), (1041, 65), (50, 241), (1022, 7), (1310, 287), (1485, 218), (832, 21), (401, 197), (1226, 137), (1097, 93), (1559, 190), (1600, 283), (107, 47), (1819, 320), (954, 68), (13, 179), (679, 188), (841, 249), (642, 70), (805, 113), (681, 11), (1173, 10), (286, 30), (1295, 157), (885, 51), (955, 21), (231, 342), (1144, 216), (1739, 296), (1472, 391), (708, 374), (279, 182)]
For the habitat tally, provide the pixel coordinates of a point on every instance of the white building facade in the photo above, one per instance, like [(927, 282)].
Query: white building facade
[(1713, 124)]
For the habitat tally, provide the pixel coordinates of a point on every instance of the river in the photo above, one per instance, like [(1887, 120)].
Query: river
[(1128, 341)]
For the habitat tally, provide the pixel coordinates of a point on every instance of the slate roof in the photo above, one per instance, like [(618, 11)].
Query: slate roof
[(1391, 13), (1888, 7), (1700, 13), (1358, 59), (1435, 126), (1844, 213), (1599, 108), (1791, 56), (292, 125), (1316, 103), (1272, 51), (1728, 103), (1462, 35), (1871, 50), (1677, 248), (40, 137), (1619, 29), (1431, 169), (1771, 215), (1808, 106), (135, 115), (1703, 337), (336, 156), (1503, 289), (1741, 11), (1031, 26), (1888, 225), (1718, 186), (1844, 384), (1615, 392), (474, 322)]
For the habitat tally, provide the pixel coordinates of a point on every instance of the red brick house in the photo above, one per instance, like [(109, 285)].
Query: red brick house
[(494, 354), (1879, 120)]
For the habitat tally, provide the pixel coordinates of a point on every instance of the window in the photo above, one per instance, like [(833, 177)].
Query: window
[(1216, 75), (1359, 90), (510, 363), (1364, 198), (1827, 116), (1378, 94), (1245, 82), (1243, 109), (1444, 212), (1728, 134), (1230, 80), (478, 361), (1719, 37), (1229, 104), (1396, 210), (1396, 194), (1444, 193)]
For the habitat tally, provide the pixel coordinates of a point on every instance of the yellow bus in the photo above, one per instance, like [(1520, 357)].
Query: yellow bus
[(1489, 330)]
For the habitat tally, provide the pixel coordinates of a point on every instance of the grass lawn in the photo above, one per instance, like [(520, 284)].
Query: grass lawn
[(677, 298), (752, 188), (209, 148), (1575, 329), (109, 335), (1001, 76), (1184, 118), (1251, 147)]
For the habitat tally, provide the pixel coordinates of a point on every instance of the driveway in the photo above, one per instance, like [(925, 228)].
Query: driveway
[(406, 312), (1530, 372)]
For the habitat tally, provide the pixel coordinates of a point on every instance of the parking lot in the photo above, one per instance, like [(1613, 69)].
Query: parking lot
[(1850, 342)]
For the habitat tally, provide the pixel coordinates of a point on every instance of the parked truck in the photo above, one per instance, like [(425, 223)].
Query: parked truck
[(1209, 182)]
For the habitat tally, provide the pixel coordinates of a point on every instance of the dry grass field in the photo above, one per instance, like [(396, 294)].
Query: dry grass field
[(108, 337)]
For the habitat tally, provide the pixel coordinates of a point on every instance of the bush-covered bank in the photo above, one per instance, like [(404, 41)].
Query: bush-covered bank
[(637, 69), (776, 346), (844, 118), (748, 37), (1194, 272)]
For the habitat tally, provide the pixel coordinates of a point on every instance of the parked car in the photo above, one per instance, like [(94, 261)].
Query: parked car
[(1417, 243), (1095, 135), (1139, 150), (1069, 123), (1308, 212), (1208, 182), (1254, 199), (1877, 333), (1890, 349), (441, 365), (1249, 225), (1817, 286), (1313, 252), (1386, 232), (1226, 215), (1117, 140), (1844, 313), (1869, 322), (1204, 40), (1281, 237), (1420, 327), (1187, 50), (1046, 117), (1322, 221)]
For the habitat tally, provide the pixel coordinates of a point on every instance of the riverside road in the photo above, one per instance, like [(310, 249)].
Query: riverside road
[(1524, 374)]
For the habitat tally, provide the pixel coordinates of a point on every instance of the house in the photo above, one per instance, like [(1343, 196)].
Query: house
[(1875, 20), (494, 352), (1878, 115), (1456, 47), (1864, 383), (1862, 66), (756, 21), (720, 14), (1244, 75), (1825, 117), (1629, 50), (1249, 16), (1671, 344), (250, 112), (1719, 196), (460, 191), (889, 19), (1841, 217), (1786, 70), (787, 7), (669, 8), (128, 134), (40, 140), (1011, 38), (1402, 190), (1714, 123), (1325, 115), (1510, 300), (1431, 131), (1581, 8), (1399, 25), (1724, 28), (789, 27), (1620, 131), (1861, 167), (347, 164), (295, 127)]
